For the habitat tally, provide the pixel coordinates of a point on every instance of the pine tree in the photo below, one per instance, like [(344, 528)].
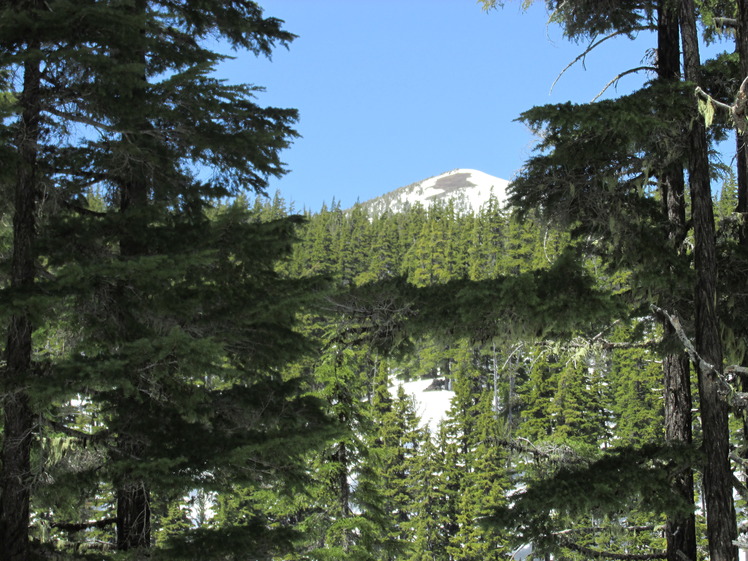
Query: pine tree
[(18, 424), (355, 242), (434, 517), (636, 382), (398, 443), (384, 259), (484, 487), (487, 241), (612, 177), (429, 259), (155, 285), (721, 523)]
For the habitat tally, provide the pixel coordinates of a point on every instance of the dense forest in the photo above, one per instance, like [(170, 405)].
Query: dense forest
[(193, 370)]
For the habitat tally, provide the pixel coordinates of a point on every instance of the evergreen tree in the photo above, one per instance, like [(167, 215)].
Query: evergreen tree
[(637, 405), (487, 241), (384, 259), (612, 178), (484, 487), (175, 309), (354, 243)]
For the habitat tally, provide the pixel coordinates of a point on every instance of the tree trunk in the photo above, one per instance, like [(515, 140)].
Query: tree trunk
[(133, 494), (742, 139), (742, 165), (680, 531), (133, 516), (15, 478), (721, 523)]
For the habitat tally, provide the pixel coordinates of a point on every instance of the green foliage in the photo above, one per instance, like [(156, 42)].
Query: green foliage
[(162, 320), (611, 485)]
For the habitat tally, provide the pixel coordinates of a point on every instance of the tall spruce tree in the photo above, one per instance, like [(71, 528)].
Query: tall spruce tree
[(636, 162), (18, 415), (176, 309)]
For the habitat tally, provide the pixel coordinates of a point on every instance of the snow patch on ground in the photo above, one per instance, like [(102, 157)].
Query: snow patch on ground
[(431, 406)]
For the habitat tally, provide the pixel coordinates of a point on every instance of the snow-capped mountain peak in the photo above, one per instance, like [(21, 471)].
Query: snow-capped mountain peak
[(470, 189)]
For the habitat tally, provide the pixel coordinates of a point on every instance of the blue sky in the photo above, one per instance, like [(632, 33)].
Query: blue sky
[(395, 91)]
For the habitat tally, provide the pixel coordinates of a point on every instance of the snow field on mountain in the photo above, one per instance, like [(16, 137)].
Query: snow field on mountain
[(431, 406), (469, 188)]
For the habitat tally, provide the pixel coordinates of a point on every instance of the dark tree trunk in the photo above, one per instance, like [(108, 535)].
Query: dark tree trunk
[(680, 531), (742, 165), (742, 139), (721, 523), (133, 516), (344, 489), (15, 478), (133, 494)]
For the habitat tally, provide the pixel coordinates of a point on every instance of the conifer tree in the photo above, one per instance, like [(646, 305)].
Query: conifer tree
[(721, 523), (484, 487), (487, 241), (154, 284), (354, 242), (616, 191), (637, 404), (18, 416), (384, 259)]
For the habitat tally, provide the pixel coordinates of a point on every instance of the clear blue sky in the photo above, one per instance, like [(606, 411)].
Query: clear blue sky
[(395, 91)]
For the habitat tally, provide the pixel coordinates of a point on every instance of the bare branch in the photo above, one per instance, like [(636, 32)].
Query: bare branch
[(517, 349), (83, 211), (621, 75), (590, 47), (705, 96), (561, 454), (82, 119), (604, 344), (599, 336), (738, 110), (645, 528), (740, 487), (735, 369), (734, 397)]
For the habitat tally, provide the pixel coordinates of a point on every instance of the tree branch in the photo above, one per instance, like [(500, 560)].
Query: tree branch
[(77, 527), (100, 436), (705, 96), (733, 396), (589, 49), (597, 554), (82, 211), (732, 23), (738, 110), (735, 369), (645, 528), (556, 454), (740, 487), (621, 75), (82, 119)]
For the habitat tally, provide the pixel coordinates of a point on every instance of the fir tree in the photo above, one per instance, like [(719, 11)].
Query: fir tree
[(437, 489), (154, 284)]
